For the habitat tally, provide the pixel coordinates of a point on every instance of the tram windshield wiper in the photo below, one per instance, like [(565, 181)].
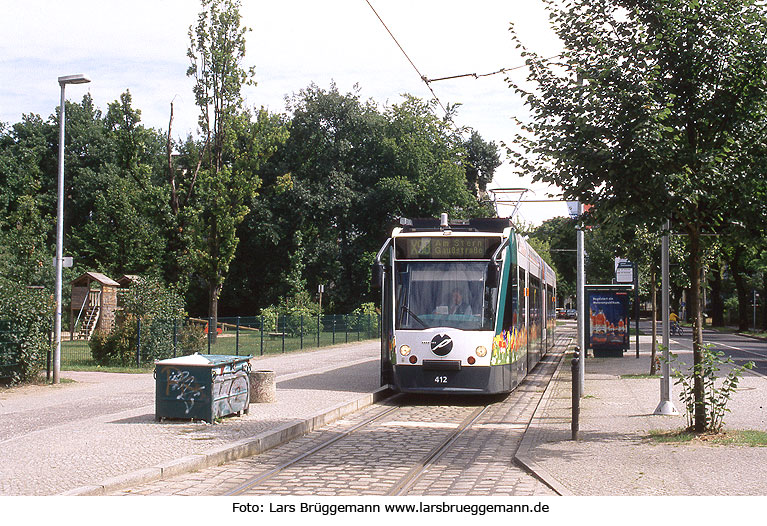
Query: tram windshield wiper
[(415, 317)]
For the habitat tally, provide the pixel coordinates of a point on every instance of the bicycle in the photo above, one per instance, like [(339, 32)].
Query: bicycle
[(676, 329)]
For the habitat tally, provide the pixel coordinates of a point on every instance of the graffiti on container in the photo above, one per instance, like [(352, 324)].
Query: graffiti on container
[(231, 394), (183, 385)]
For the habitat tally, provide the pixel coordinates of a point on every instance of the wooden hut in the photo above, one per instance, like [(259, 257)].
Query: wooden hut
[(94, 301), (126, 280)]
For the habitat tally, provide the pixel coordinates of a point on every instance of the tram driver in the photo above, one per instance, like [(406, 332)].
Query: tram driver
[(458, 305)]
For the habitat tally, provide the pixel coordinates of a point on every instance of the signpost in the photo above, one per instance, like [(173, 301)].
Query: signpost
[(627, 272)]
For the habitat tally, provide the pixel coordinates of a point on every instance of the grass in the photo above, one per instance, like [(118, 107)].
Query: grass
[(749, 438), (76, 355), (148, 368), (639, 376)]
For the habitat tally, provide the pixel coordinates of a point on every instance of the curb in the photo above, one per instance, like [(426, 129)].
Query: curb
[(523, 455), (234, 451)]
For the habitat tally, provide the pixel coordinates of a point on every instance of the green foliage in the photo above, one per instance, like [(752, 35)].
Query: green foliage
[(26, 316), (158, 311), (633, 113), (717, 394), (292, 315), (224, 181), (345, 173), (367, 311), (117, 347)]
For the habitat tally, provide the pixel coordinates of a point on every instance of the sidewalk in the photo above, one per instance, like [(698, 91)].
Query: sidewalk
[(614, 455), (98, 432)]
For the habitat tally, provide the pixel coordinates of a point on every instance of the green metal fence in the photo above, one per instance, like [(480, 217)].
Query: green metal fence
[(236, 336)]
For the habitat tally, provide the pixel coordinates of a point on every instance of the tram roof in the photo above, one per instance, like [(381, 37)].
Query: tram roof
[(492, 225)]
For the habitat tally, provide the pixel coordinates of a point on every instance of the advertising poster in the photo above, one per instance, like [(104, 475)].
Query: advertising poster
[(608, 323)]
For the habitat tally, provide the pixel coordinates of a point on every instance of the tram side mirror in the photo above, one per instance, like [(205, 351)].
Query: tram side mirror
[(377, 275), (493, 274)]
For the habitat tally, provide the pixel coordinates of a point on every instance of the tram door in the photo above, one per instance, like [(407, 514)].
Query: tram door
[(523, 320), (387, 329), (534, 333)]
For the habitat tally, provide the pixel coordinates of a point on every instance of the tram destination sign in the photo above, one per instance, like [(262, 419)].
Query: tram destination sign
[(430, 247)]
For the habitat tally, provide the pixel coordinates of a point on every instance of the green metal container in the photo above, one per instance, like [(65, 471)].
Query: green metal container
[(202, 387)]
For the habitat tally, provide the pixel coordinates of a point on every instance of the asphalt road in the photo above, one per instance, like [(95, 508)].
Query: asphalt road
[(741, 349)]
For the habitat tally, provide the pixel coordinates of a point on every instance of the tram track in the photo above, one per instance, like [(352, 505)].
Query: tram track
[(285, 465), (404, 445), (406, 482), (400, 422)]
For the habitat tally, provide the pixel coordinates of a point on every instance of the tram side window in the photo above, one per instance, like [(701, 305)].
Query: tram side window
[(512, 295), (535, 306)]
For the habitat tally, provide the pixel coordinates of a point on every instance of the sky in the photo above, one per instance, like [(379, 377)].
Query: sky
[(141, 46)]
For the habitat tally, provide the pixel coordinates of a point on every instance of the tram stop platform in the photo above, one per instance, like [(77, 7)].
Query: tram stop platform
[(96, 432)]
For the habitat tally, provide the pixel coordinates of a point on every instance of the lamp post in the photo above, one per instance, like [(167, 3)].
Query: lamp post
[(63, 81), (666, 406)]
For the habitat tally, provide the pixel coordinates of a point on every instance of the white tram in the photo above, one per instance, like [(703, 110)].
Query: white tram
[(467, 306)]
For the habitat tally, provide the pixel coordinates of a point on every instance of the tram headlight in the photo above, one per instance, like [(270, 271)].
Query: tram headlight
[(404, 350), (481, 351)]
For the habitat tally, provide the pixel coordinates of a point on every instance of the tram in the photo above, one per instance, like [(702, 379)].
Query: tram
[(468, 307)]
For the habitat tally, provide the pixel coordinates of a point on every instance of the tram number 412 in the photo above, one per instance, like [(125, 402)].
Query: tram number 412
[(440, 379)]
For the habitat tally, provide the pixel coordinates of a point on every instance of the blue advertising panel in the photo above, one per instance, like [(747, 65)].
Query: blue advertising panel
[(608, 322)]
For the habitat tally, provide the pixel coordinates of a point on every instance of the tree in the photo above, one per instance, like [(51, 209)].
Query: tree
[(656, 109), (120, 213), (216, 52), (219, 191), (482, 159), (25, 218), (346, 172)]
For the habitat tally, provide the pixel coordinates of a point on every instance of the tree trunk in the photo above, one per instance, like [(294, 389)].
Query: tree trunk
[(171, 172), (740, 286), (654, 296), (214, 289), (763, 300), (696, 265)]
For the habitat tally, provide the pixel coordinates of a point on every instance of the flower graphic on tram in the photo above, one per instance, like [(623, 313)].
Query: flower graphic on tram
[(505, 346)]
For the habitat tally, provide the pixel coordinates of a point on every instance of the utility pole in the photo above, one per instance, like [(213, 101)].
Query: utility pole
[(581, 297)]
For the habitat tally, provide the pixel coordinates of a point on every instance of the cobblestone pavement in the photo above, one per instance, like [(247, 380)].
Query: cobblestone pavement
[(100, 428), (377, 457)]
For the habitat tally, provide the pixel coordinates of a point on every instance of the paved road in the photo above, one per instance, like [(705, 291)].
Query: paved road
[(101, 427), (742, 349), (388, 456)]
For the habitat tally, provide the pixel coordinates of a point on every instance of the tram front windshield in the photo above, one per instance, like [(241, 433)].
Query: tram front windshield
[(443, 294)]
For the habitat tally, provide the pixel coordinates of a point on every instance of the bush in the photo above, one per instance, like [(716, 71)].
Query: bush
[(117, 347), (192, 339), (365, 312), (26, 315), (716, 396), (289, 318), (158, 310)]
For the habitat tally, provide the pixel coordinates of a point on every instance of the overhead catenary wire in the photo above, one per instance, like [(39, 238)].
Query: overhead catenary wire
[(480, 75), (427, 80), (420, 75)]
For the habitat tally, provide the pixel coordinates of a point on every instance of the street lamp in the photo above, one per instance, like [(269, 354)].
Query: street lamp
[(63, 81)]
